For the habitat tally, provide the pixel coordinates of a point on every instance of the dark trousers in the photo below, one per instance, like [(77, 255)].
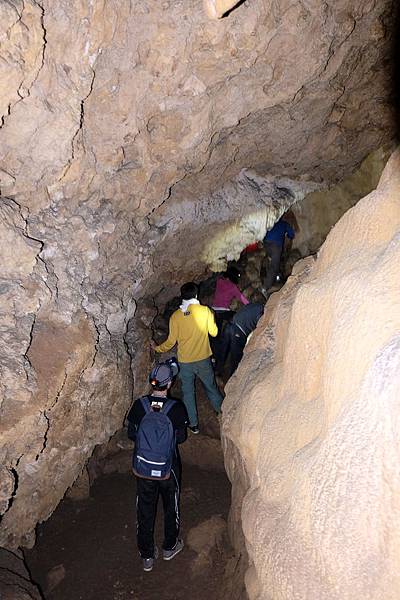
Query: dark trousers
[(237, 343), (274, 251), (218, 343), (148, 491), (234, 341)]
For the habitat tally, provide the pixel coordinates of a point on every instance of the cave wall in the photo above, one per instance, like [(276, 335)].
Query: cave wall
[(113, 115), (320, 210), (311, 419)]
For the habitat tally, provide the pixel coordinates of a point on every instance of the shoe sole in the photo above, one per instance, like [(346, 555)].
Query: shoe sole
[(173, 556), (147, 570)]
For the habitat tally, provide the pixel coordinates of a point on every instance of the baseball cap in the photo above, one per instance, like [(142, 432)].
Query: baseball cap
[(164, 372)]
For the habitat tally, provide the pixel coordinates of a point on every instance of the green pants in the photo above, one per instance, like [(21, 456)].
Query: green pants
[(204, 371)]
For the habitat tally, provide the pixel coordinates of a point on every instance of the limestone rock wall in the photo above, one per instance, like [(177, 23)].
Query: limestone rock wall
[(311, 420), (321, 209), (116, 118)]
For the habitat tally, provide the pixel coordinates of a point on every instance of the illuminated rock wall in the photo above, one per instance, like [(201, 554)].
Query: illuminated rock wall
[(311, 424)]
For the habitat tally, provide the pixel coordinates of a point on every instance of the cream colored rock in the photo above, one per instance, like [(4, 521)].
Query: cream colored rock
[(311, 435), (321, 210), (217, 8)]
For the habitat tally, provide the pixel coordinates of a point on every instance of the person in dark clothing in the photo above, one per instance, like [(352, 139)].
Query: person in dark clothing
[(273, 243), (237, 332), (148, 490), (226, 290)]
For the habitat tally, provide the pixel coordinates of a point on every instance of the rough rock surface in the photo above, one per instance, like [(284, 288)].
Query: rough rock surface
[(311, 424), (320, 210), (204, 538), (117, 120), (15, 582)]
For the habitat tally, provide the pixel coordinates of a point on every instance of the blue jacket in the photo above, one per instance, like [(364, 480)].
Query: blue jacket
[(278, 232)]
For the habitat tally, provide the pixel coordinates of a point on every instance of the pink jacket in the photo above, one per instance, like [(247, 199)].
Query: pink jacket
[(225, 292)]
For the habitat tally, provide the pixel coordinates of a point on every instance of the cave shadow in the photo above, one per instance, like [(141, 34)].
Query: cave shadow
[(395, 68)]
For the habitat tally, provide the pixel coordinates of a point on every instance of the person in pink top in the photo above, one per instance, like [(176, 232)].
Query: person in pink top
[(225, 291)]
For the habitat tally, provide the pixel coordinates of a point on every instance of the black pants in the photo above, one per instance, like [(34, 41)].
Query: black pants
[(233, 343), (274, 251), (148, 491), (237, 343), (218, 343)]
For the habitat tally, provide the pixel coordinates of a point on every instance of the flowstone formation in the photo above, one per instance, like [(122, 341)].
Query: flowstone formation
[(311, 423), (119, 121)]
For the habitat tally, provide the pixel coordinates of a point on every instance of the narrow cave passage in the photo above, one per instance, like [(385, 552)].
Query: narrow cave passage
[(87, 549), (144, 144)]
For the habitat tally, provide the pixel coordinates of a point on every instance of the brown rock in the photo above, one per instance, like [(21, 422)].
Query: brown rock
[(203, 539), (80, 490), (15, 582), (54, 577)]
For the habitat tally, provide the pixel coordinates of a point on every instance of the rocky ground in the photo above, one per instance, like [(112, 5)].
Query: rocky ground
[(87, 549)]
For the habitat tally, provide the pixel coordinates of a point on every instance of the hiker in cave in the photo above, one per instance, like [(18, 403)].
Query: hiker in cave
[(156, 444), (236, 334), (189, 327), (273, 242), (226, 290)]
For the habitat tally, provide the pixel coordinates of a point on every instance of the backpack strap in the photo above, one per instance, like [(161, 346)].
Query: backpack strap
[(167, 406), (145, 400)]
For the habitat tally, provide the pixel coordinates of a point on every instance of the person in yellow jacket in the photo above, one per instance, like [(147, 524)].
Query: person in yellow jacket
[(189, 327)]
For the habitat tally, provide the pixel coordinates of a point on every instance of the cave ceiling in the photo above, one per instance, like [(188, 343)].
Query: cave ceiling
[(140, 101)]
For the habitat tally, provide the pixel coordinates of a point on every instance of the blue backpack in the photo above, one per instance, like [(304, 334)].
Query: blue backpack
[(155, 442)]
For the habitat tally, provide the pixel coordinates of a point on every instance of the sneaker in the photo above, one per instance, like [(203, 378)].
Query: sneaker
[(148, 563), (195, 429), (169, 554)]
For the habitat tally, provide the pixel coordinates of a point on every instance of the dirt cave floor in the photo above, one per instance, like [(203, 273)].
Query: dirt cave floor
[(90, 545)]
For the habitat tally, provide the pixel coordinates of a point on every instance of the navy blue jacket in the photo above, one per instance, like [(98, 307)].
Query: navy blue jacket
[(278, 232)]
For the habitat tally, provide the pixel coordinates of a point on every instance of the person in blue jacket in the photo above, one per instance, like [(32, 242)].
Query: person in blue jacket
[(273, 242)]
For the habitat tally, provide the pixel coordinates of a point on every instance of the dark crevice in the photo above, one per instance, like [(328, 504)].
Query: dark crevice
[(230, 11), (166, 197), (14, 573), (26, 357), (80, 127), (24, 214), (46, 416), (44, 40), (97, 342), (395, 69), (15, 476)]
